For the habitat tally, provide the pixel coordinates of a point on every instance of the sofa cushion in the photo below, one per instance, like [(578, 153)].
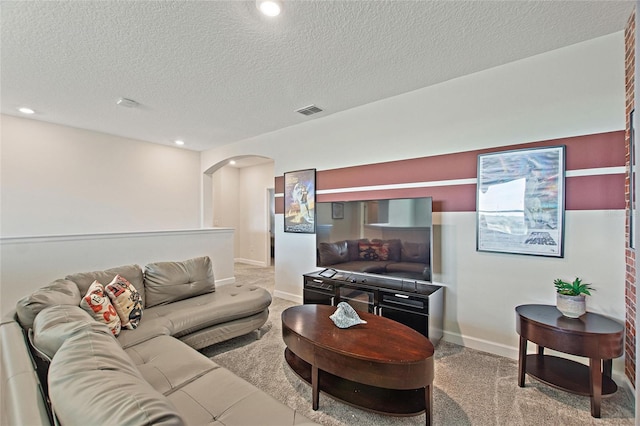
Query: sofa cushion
[(414, 252), (166, 282), (99, 306), (156, 359), (411, 270), (239, 404), (228, 303), (59, 292), (352, 247), (133, 274), (126, 299), (225, 331), (56, 324), (333, 253), (93, 381), (152, 326)]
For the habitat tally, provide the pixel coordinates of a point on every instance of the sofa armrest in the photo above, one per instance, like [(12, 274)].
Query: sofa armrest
[(23, 400)]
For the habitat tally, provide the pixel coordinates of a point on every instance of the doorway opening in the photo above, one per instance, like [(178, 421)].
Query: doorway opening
[(237, 195)]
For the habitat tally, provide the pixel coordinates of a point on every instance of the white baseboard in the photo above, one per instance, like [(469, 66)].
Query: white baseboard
[(623, 381), (481, 345), (288, 296), (225, 281), (251, 262), (512, 352)]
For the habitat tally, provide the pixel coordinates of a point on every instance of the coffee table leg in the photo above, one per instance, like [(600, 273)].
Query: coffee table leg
[(314, 387), (595, 376), (428, 404)]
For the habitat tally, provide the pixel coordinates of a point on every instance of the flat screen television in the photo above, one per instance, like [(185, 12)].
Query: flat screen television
[(389, 237)]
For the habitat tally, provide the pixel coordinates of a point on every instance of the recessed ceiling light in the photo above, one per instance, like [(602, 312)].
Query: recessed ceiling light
[(179, 142), (26, 110), (269, 7), (232, 162)]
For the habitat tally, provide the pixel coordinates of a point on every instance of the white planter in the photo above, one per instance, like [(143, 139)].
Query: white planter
[(571, 306)]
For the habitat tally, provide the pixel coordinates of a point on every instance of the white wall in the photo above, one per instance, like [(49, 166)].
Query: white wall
[(254, 241), (571, 91), (226, 201), (29, 263), (483, 288), (62, 180), (70, 199), (240, 201)]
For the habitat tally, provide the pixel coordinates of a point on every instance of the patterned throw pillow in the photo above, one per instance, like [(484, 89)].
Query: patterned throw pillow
[(373, 251), (100, 308), (126, 300)]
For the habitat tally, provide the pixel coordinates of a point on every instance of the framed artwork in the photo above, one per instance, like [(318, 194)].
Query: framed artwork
[(299, 201), (520, 202), (337, 211)]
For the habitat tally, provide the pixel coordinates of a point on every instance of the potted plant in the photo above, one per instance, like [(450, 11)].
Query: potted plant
[(570, 297)]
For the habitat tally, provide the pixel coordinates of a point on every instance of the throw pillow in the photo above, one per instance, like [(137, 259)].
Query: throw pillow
[(394, 246), (98, 305), (127, 301), (373, 251)]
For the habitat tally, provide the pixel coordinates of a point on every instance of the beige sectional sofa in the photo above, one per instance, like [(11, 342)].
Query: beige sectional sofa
[(59, 364)]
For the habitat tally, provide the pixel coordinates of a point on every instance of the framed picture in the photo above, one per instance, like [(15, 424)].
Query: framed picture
[(337, 211), (520, 202), (299, 201)]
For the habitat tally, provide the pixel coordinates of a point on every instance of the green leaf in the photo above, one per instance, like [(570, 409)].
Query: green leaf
[(575, 288)]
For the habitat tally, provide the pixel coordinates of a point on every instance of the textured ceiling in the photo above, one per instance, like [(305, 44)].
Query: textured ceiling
[(215, 72)]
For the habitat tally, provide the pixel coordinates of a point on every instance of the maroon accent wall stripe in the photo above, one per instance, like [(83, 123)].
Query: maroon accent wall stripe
[(279, 205), (279, 185), (583, 152), (425, 169), (604, 192), (600, 192)]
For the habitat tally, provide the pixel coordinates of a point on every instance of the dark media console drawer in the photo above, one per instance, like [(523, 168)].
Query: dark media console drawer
[(319, 292), (319, 284), (419, 305)]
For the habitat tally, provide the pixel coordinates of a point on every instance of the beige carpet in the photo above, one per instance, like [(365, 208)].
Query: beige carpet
[(471, 387)]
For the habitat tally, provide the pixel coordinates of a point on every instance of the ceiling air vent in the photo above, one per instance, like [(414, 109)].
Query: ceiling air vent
[(309, 110)]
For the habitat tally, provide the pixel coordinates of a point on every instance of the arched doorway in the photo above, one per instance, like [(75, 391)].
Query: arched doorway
[(237, 194)]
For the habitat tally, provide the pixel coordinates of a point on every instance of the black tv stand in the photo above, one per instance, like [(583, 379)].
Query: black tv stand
[(417, 304)]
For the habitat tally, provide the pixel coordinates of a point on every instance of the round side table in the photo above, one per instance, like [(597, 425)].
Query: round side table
[(592, 335)]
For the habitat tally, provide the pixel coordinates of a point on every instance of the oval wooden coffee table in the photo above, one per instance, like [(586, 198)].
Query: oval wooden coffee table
[(382, 366)]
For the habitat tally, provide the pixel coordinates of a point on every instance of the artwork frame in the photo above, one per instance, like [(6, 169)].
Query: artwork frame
[(520, 201), (337, 210), (299, 201)]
